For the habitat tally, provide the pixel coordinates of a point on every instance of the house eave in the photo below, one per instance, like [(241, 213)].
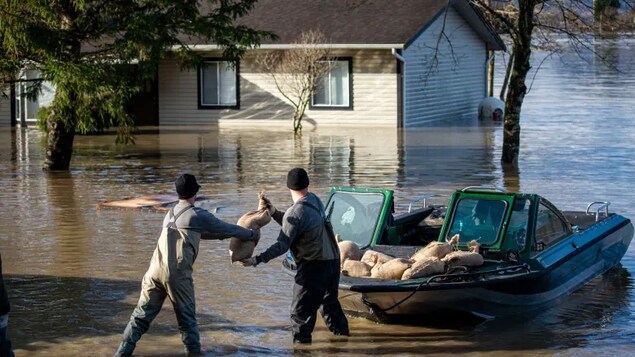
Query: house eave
[(353, 46)]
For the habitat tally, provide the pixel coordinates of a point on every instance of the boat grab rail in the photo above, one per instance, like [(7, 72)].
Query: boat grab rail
[(423, 198), (450, 278), (500, 271), (604, 205), (486, 188)]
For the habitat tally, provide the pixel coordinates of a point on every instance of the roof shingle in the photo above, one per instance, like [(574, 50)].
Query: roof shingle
[(344, 21)]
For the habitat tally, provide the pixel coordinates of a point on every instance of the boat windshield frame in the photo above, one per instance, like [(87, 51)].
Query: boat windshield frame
[(355, 216), (478, 218)]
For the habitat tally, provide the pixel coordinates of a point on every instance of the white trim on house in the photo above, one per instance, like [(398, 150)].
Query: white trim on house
[(354, 46)]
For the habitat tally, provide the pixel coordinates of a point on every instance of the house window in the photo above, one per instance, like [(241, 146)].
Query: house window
[(334, 89), (218, 84)]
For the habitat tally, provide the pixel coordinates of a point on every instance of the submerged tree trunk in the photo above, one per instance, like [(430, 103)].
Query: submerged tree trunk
[(517, 88), (59, 145), (508, 71), (60, 125)]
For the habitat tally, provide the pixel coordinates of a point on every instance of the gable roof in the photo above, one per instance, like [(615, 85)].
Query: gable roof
[(360, 23)]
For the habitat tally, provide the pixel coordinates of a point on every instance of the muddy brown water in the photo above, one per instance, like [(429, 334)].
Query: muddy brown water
[(74, 272)]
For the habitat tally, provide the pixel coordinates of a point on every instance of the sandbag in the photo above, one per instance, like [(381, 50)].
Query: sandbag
[(349, 250), (356, 269), (238, 249), (375, 269), (435, 249), (461, 258), (264, 203), (372, 257), (424, 267), (392, 269)]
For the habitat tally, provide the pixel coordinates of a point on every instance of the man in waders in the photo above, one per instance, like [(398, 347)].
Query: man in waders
[(310, 237), (170, 271)]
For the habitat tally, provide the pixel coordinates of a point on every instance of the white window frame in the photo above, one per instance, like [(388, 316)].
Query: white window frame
[(349, 88), (219, 85)]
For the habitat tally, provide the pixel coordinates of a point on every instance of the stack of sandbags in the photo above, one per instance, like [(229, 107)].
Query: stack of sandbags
[(373, 258), (424, 267), (468, 259), (350, 256), (435, 249), (238, 249), (392, 269), (363, 267)]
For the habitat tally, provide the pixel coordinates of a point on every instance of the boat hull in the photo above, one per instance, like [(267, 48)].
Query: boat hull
[(563, 270)]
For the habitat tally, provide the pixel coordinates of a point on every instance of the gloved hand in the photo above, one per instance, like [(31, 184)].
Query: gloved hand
[(249, 262), (256, 236)]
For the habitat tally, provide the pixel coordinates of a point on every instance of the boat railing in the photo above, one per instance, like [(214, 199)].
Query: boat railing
[(601, 205), (471, 276), (486, 188)]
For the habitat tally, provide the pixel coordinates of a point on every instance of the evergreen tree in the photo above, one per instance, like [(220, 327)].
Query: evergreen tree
[(97, 52)]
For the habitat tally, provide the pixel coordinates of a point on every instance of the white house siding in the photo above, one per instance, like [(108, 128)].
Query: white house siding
[(374, 95), (451, 88)]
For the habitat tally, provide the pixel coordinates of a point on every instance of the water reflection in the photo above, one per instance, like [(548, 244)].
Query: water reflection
[(74, 272), (599, 311)]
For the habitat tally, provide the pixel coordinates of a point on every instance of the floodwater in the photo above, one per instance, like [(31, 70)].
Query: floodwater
[(74, 271)]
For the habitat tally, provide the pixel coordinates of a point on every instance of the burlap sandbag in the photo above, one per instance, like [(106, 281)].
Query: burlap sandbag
[(349, 250), (435, 249), (374, 270), (372, 258), (392, 269), (356, 269), (461, 258), (424, 267), (238, 249)]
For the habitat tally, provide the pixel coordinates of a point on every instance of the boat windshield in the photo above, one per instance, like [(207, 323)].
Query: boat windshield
[(354, 215), (477, 219)]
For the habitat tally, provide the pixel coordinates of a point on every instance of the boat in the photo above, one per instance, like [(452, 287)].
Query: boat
[(533, 253)]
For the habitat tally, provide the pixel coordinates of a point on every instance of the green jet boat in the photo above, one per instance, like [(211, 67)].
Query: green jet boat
[(533, 253)]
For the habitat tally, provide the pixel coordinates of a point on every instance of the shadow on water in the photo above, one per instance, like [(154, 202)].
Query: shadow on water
[(571, 321), (45, 308)]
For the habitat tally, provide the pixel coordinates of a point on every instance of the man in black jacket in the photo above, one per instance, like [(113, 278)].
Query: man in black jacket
[(311, 241), (5, 344)]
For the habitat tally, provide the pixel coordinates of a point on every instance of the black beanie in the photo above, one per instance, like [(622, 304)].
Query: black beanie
[(297, 179), (186, 186)]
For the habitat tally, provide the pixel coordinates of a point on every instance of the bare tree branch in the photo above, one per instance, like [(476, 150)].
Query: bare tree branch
[(297, 72)]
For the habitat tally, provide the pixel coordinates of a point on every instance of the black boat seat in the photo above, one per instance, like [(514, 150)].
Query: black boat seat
[(412, 218), (403, 223)]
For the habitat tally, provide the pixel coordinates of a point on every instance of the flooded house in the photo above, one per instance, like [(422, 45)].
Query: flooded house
[(395, 63)]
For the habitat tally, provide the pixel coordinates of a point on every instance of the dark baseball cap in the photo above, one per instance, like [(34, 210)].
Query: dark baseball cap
[(186, 186), (297, 179)]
